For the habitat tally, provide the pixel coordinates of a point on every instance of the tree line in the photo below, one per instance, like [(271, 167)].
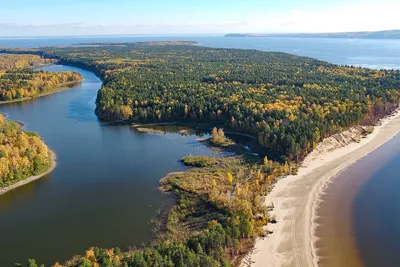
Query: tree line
[(22, 154), (19, 80)]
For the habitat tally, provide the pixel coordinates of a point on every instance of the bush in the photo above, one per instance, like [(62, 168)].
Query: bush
[(199, 161)]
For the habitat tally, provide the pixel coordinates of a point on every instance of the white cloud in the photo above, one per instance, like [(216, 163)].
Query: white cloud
[(381, 15), (366, 16)]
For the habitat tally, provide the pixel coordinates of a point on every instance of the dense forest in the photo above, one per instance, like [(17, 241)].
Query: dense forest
[(22, 154), (18, 80), (13, 61), (288, 103)]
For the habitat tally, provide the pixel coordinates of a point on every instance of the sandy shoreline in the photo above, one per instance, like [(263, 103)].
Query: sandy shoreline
[(296, 199), (32, 178)]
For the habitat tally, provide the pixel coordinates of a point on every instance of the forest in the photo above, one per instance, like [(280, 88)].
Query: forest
[(13, 61), (18, 80), (22, 154), (286, 102)]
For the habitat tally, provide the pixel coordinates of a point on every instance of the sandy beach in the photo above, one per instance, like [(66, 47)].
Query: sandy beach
[(297, 197), (30, 179)]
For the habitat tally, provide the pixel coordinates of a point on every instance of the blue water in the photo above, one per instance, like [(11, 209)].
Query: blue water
[(377, 208)]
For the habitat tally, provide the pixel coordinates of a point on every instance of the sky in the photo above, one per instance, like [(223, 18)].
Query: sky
[(175, 17)]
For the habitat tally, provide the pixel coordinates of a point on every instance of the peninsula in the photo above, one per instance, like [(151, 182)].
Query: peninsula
[(18, 80), (392, 34), (24, 157)]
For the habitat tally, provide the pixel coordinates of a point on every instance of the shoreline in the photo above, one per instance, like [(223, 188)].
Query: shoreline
[(191, 125), (296, 199), (60, 88), (30, 179)]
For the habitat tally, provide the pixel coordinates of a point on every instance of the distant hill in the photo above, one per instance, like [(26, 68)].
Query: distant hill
[(393, 34)]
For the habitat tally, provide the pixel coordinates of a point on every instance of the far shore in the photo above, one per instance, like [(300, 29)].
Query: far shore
[(28, 180), (61, 87), (296, 199)]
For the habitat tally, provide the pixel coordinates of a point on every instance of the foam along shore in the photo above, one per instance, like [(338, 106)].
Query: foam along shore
[(30, 179), (296, 198)]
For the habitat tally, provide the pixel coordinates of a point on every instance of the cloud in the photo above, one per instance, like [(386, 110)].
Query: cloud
[(78, 28), (368, 16), (73, 24), (286, 23)]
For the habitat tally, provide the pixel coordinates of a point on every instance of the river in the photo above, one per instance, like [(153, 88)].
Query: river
[(104, 189)]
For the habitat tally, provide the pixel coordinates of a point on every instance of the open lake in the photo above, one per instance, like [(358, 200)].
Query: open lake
[(104, 189)]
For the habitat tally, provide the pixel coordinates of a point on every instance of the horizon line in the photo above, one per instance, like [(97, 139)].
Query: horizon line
[(181, 34)]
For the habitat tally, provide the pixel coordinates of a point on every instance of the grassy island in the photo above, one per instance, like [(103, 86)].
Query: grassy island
[(286, 102)]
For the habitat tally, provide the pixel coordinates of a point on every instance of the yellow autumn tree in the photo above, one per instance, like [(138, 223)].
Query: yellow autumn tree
[(238, 190), (229, 177), (126, 112), (15, 146), (265, 161)]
